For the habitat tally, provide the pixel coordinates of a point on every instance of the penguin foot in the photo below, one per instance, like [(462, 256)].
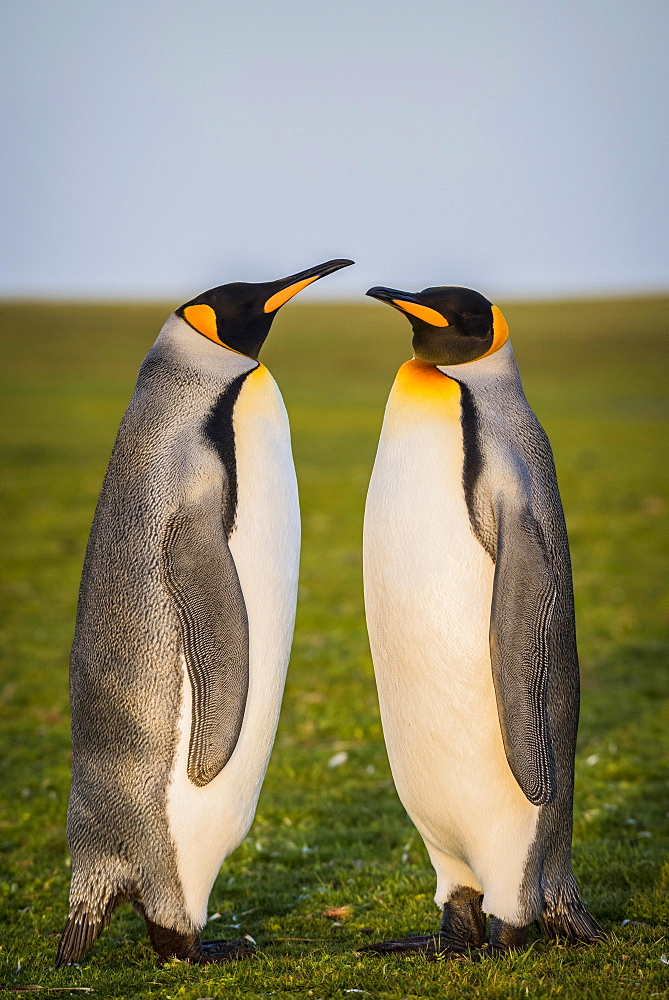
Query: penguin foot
[(463, 919), (504, 939), (225, 951), (462, 929), (168, 943), (433, 946)]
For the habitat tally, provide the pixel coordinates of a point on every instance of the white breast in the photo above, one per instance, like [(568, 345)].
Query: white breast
[(208, 823), (428, 590)]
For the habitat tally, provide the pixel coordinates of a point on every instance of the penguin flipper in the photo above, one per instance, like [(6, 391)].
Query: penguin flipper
[(201, 577), (523, 600)]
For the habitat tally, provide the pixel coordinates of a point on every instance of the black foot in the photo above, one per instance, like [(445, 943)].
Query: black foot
[(431, 945), (169, 944), (462, 928), (504, 938), (225, 951), (463, 921)]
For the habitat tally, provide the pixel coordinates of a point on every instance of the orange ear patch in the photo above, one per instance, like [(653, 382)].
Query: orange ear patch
[(428, 315), (278, 299), (203, 319), (500, 332)]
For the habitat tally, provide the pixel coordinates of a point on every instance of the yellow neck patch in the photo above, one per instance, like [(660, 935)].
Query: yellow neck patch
[(278, 299), (428, 315), (500, 332), (419, 385)]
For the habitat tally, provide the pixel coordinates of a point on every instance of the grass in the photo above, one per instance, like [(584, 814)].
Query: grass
[(337, 836)]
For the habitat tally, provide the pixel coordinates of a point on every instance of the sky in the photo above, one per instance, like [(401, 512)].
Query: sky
[(155, 148)]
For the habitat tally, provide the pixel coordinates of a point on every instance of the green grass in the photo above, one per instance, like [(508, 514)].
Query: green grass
[(595, 373)]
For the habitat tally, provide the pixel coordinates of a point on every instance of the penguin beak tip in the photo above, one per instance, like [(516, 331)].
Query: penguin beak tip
[(337, 264)]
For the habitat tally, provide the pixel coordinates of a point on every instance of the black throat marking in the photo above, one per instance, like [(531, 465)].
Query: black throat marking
[(219, 432), (480, 514)]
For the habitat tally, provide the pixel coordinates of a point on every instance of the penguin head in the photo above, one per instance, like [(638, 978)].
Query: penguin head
[(451, 325), (239, 315)]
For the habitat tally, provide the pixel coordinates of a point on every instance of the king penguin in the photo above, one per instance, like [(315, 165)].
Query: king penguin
[(469, 605), (184, 625)]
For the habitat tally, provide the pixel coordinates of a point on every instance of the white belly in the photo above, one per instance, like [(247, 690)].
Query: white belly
[(208, 823), (428, 590)]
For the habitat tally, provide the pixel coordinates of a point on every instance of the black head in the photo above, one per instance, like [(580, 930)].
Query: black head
[(451, 325), (240, 314)]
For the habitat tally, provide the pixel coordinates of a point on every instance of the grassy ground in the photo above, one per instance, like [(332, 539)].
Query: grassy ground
[(337, 836)]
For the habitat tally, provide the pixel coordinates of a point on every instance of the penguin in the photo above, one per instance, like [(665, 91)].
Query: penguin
[(470, 613), (184, 625)]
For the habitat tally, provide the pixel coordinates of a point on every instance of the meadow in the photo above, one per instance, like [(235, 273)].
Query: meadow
[(336, 837)]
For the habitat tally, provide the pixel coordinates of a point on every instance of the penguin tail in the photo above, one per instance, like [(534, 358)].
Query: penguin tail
[(571, 922), (82, 929)]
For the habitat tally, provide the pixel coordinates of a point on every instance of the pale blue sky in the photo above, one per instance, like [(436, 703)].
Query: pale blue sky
[(158, 147)]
